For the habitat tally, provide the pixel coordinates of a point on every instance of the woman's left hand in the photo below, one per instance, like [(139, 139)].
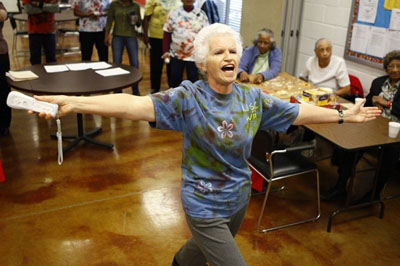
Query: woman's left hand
[(258, 79), (358, 113)]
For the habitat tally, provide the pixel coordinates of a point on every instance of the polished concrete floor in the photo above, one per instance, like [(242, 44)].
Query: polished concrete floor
[(122, 206)]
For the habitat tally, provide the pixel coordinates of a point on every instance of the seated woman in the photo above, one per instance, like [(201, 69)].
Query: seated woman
[(262, 61), (384, 93)]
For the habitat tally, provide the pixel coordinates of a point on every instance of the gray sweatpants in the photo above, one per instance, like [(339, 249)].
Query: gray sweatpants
[(212, 241)]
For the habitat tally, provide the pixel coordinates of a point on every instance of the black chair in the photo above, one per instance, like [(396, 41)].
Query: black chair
[(275, 163), (17, 33)]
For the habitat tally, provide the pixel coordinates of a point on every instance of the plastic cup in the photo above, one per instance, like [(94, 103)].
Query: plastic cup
[(394, 129), (357, 100)]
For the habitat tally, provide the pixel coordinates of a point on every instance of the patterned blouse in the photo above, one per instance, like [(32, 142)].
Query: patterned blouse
[(388, 92)]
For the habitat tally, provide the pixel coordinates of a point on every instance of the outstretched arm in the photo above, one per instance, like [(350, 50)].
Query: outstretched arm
[(119, 105), (310, 114)]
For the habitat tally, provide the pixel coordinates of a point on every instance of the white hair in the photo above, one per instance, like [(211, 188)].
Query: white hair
[(201, 45)]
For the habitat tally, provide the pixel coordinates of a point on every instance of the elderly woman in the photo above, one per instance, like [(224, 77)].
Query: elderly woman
[(385, 90), (385, 94), (218, 120), (262, 61), (180, 30)]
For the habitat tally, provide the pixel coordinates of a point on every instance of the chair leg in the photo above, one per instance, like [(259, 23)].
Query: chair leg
[(263, 205), (313, 219)]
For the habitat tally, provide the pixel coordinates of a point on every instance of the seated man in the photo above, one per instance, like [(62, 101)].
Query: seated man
[(262, 60), (325, 70)]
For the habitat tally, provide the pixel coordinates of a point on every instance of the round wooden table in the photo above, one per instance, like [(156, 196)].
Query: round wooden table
[(83, 82)]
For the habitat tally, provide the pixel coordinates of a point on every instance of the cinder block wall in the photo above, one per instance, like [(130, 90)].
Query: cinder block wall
[(330, 19)]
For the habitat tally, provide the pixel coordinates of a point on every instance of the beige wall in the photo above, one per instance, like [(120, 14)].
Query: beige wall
[(258, 14)]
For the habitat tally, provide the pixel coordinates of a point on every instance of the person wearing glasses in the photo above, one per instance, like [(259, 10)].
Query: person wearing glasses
[(262, 61), (385, 94)]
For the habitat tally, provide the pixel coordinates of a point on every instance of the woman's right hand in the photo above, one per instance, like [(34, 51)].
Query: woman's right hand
[(64, 105), (166, 57), (244, 77), (380, 102)]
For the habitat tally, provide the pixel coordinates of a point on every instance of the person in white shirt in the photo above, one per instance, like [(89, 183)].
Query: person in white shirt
[(325, 70)]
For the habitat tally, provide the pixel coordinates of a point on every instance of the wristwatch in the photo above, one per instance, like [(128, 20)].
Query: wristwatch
[(340, 111)]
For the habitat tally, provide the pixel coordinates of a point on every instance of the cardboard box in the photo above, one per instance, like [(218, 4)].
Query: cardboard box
[(298, 99), (319, 96)]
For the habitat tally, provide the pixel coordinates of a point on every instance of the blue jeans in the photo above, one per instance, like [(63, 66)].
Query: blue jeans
[(48, 42), (118, 44)]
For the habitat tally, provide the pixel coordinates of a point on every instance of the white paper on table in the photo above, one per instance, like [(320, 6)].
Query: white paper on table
[(395, 19), (367, 10), (359, 38), (77, 66), (377, 42), (98, 65), (392, 41), (56, 68), (112, 72)]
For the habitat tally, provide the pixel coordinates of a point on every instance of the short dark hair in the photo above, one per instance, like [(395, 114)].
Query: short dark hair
[(395, 54), (267, 32)]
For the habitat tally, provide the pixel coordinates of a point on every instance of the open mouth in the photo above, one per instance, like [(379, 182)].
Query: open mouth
[(228, 68)]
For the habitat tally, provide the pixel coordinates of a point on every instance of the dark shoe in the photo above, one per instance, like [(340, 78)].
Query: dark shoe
[(4, 131), (333, 194)]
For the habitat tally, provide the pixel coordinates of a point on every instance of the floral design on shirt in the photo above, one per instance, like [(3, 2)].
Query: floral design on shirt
[(204, 187), (225, 129)]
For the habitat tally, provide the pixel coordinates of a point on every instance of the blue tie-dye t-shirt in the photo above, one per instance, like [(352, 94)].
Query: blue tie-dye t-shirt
[(218, 130)]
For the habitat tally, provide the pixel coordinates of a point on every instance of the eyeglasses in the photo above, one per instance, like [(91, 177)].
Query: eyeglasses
[(393, 67)]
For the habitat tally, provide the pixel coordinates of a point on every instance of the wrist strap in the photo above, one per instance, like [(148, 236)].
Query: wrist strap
[(59, 142), (340, 111)]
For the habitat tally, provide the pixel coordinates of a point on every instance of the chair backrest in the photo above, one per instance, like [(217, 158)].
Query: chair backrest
[(356, 87), (266, 139)]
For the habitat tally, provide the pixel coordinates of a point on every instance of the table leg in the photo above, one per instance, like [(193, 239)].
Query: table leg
[(349, 207), (82, 136)]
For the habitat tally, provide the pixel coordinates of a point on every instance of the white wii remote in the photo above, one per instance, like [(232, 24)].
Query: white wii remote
[(19, 100)]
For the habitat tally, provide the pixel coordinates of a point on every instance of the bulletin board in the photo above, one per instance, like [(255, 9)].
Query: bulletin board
[(368, 42)]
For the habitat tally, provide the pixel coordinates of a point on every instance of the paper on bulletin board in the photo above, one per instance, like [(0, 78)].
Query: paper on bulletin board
[(376, 42), (367, 11), (390, 4), (392, 41), (359, 38), (395, 19)]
